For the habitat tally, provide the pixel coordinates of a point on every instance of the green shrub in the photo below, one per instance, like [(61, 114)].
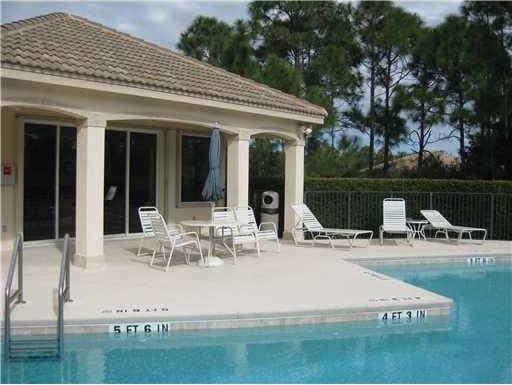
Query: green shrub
[(387, 185), (418, 185)]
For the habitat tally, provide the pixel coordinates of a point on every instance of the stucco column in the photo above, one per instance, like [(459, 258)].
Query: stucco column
[(171, 179), (238, 170), (293, 181), (90, 154)]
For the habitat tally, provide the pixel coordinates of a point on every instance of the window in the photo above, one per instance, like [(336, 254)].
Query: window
[(194, 166)]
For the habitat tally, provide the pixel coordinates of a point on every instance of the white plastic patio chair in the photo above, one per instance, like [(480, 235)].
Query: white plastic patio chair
[(443, 226), (173, 239), (228, 231), (308, 223), (394, 219), (266, 231), (145, 215)]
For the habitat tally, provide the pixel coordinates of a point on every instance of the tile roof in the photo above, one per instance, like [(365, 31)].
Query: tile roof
[(70, 46)]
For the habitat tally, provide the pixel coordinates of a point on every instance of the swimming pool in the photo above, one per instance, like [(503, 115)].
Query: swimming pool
[(473, 345)]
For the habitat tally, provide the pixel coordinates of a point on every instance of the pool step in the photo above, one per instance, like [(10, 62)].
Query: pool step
[(34, 348)]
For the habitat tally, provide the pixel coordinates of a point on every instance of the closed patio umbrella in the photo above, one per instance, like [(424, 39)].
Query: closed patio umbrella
[(212, 190)]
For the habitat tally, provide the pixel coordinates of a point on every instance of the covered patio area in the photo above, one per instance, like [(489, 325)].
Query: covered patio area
[(92, 137)]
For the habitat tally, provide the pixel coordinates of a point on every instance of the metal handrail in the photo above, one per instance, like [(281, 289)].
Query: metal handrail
[(64, 293), (16, 258)]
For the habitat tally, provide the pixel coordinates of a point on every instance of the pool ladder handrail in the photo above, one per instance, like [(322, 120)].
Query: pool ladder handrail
[(63, 297), (16, 259), (64, 293)]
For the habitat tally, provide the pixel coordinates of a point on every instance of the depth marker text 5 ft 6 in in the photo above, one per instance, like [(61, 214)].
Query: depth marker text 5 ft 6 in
[(136, 328)]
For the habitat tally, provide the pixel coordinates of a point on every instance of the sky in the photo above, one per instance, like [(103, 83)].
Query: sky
[(162, 22)]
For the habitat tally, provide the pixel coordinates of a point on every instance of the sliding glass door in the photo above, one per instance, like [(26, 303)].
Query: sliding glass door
[(130, 178), (39, 182), (67, 181), (49, 180), (142, 176), (114, 211)]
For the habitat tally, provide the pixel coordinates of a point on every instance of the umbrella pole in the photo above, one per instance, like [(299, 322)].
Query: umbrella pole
[(212, 206)]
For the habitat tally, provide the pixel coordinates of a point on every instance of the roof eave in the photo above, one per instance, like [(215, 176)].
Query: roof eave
[(39, 77)]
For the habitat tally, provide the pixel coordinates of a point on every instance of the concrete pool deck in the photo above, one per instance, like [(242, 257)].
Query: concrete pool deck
[(299, 285)]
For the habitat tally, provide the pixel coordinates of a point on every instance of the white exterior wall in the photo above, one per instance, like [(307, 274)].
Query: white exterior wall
[(9, 197), (294, 181), (237, 193)]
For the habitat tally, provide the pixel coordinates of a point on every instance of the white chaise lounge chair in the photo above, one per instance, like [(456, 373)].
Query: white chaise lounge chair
[(308, 223), (229, 233), (394, 220), (266, 231), (172, 239), (441, 224)]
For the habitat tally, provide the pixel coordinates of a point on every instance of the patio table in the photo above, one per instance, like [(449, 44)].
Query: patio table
[(211, 260), (418, 227)]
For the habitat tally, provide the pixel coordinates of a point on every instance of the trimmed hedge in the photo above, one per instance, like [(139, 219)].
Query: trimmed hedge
[(419, 185), (266, 183), (387, 185)]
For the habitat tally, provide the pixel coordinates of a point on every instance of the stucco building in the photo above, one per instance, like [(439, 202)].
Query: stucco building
[(95, 123)]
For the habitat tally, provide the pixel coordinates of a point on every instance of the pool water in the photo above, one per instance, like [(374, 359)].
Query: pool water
[(473, 345)]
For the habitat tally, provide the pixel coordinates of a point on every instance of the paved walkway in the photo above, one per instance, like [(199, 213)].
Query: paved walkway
[(297, 285)]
